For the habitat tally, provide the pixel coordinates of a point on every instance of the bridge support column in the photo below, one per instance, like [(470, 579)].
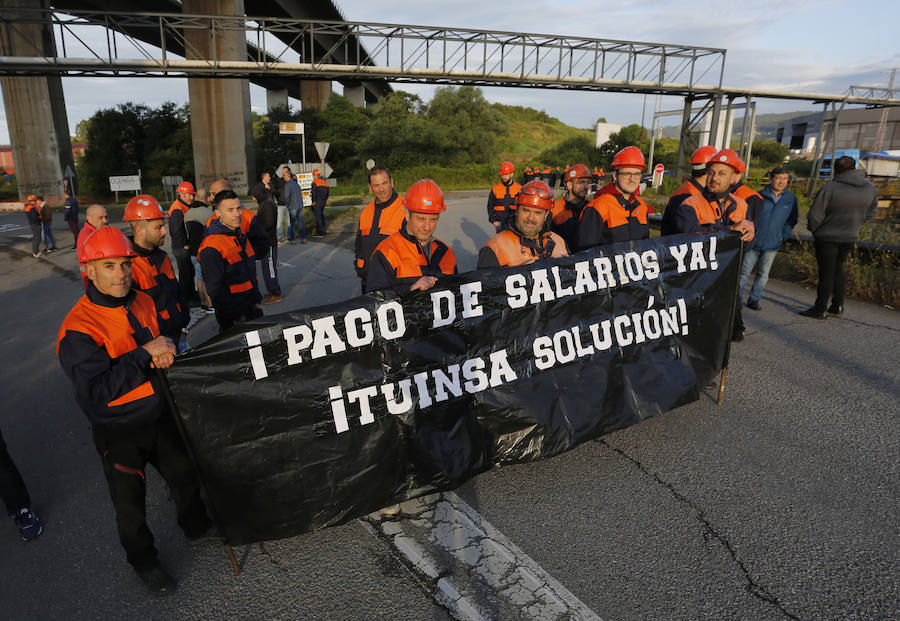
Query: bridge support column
[(356, 93), (35, 111), (314, 94), (275, 98), (684, 138), (221, 127)]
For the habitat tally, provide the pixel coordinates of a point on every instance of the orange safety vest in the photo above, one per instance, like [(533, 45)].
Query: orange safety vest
[(407, 259), (610, 218), (246, 219), (110, 328), (505, 196), (227, 246), (177, 205), (507, 246), (372, 230), (711, 213)]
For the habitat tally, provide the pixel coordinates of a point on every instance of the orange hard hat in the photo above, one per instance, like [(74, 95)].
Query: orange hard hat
[(507, 168), (185, 187), (315, 171), (578, 171), (31, 198), (535, 194), (107, 242), (629, 156), (729, 157), (702, 155), (424, 196), (143, 207)]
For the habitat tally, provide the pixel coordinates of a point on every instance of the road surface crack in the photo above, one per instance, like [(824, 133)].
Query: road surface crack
[(753, 587)]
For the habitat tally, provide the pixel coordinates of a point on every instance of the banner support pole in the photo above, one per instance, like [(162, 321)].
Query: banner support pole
[(170, 401), (734, 302)]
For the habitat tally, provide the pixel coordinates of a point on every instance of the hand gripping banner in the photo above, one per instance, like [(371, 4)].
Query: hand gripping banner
[(311, 418)]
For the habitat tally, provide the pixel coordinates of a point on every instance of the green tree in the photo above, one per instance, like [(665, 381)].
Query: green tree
[(768, 152), (630, 135), (467, 123), (342, 125), (272, 148), (399, 135), (575, 150)]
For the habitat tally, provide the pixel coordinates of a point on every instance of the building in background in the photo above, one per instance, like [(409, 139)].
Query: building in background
[(857, 129)]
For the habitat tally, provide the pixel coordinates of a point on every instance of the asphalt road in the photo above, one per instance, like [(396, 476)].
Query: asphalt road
[(782, 503)]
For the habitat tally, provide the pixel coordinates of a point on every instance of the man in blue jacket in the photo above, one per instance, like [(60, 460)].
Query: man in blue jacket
[(775, 222), (293, 198)]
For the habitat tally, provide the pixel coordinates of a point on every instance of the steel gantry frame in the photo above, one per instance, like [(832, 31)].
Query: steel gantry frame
[(399, 53)]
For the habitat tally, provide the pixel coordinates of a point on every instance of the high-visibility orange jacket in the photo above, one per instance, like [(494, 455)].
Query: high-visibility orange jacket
[(176, 225), (565, 216), (399, 261), (509, 249), (610, 218), (502, 201), (99, 348), (698, 214), (751, 197), (152, 273), (689, 187), (229, 271), (252, 227), (377, 222)]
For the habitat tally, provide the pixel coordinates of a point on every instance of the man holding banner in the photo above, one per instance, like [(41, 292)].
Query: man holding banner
[(109, 345), (528, 237), (413, 258)]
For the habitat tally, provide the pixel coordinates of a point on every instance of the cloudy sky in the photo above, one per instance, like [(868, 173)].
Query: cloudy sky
[(822, 46)]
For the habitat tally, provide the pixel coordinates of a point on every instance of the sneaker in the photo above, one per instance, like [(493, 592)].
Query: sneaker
[(814, 313), (271, 299), (157, 581), (209, 310), (36, 255), (28, 523), (753, 305)]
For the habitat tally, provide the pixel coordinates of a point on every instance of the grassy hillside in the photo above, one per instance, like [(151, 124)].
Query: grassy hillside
[(530, 132)]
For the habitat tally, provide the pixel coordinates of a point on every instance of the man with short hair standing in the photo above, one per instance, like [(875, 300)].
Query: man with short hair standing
[(774, 223), (180, 246), (319, 196), (71, 216), (229, 264), (293, 198), (33, 214), (379, 220), (839, 210)]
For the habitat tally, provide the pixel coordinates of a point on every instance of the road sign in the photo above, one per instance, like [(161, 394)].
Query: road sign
[(659, 168), (290, 128), (171, 180), (125, 183), (324, 168), (322, 149), (657, 175)]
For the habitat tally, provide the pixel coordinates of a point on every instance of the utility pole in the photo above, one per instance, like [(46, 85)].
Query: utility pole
[(884, 114)]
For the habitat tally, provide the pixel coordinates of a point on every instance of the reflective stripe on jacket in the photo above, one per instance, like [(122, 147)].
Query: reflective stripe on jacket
[(229, 271), (502, 201), (99, 348), (399, 261)]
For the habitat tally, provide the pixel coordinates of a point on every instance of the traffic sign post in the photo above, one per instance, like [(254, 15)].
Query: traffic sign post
[(294, 128), (658, 171)]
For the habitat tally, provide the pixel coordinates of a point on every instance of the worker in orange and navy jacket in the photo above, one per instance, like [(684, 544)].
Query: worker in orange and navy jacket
[(619, 213), (692, 185), (319, 196), (180, 245), (33, 215), (753, 198), (152, 270), (379, 220), (413, 258), (228, 263), (502, 199), (109, 345), (251, 226), (716, 209), (528, 238), (94, 218), (567, 208)]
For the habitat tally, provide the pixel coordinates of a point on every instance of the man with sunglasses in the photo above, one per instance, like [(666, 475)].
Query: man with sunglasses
[(617, 214), (528, 238)]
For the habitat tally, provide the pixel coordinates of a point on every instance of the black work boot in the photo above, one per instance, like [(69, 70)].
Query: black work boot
[(836, 309), (157, 581), (814, 313)]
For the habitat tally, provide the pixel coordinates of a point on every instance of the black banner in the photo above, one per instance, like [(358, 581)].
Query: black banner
[(308, 419)]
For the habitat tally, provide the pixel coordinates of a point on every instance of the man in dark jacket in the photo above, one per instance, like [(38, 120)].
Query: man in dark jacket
[(267, 214), (33, 213), (109, 346), (319, 196), (71, 217), (774, 223), (838, 211), (228, 262)]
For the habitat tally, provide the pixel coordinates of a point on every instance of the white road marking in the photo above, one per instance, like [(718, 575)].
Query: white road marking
[(4, 228), (470, 567)]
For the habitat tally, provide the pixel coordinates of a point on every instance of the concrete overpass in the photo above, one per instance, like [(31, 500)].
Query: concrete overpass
[(222, 134)]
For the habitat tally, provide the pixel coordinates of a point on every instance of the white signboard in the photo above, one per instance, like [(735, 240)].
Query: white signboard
[(125, 183), (290, 128)]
